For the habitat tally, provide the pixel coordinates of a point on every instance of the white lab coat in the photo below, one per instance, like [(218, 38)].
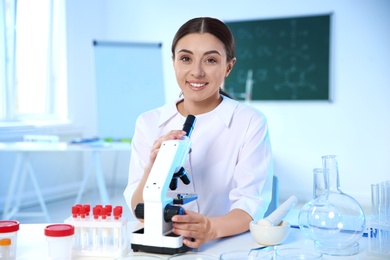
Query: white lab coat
[(230, 165)]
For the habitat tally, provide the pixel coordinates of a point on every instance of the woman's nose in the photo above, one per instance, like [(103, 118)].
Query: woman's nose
[(197, 70)]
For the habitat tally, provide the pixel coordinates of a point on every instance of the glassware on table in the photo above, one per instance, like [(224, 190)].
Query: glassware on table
[(379, 225), (246, 255), (380, 202), (296, 254), (318, 190), (336, 220)]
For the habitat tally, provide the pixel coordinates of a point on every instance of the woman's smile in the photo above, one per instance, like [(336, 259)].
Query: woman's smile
[(197, 86)]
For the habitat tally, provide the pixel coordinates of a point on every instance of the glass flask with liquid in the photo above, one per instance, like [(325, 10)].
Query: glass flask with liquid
[(335, 220)]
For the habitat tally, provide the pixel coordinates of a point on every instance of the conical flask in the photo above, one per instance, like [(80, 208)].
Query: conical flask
[(319, 189), (336, 220)]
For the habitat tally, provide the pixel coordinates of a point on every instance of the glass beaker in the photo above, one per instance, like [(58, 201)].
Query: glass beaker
[(335, 219), (319, 189)]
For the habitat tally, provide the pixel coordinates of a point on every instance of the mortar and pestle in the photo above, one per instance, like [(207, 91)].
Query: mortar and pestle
[(273, 230)]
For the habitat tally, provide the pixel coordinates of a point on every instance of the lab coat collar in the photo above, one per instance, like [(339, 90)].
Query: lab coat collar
[(224, 110)]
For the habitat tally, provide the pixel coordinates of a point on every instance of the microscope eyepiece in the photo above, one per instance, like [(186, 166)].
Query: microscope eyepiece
[(189, 124)]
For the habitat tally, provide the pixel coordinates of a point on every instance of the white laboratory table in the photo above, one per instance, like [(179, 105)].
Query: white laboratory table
[(32, 244), (23, 168)]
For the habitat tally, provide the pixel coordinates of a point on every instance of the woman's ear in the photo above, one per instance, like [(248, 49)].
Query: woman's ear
[(230, 66)]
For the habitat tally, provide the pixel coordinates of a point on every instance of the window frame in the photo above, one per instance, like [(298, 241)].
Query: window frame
[(56, 113)]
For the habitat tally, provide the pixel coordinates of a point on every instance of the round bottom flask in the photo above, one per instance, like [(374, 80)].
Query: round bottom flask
[(336, 221)]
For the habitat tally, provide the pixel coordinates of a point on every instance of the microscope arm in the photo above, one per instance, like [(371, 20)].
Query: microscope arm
[(157, 209), (169, 163)]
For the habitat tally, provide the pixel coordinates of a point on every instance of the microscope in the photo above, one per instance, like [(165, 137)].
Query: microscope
[(157, 210)]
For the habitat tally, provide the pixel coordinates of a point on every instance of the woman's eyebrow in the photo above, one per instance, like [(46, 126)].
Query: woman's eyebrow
[(211, 52), (206, 53), (184, 50)]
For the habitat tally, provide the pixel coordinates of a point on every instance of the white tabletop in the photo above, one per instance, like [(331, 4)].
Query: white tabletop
[(32, 244)]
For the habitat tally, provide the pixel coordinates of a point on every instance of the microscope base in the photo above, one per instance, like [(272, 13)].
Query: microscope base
[(170, 239)]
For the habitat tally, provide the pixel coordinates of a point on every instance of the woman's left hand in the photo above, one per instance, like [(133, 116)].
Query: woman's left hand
[(195, 228)]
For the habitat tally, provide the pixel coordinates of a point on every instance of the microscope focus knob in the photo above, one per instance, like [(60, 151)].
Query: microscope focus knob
[(170, 211), (139, 211)]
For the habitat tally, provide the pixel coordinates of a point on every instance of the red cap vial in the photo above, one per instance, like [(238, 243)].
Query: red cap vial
[(8, 226), (59, 230)]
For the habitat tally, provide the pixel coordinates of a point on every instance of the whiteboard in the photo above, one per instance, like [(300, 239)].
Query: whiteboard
[(129, 81)]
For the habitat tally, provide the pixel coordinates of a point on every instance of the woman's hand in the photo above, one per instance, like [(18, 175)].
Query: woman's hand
[(172, 135), (198, 229), (195, 228)]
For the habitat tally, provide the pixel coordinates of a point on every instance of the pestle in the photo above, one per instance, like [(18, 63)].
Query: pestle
[(278, 214)]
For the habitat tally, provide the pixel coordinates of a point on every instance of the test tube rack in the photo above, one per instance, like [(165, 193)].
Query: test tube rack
[(100, 234), (379, 239), (379, 226)]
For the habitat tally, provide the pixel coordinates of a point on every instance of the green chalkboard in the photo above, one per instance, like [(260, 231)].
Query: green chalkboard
[(281, 59)]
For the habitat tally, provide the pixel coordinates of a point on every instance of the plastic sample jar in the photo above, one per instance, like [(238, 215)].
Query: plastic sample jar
[(60, 240), (8, 238)]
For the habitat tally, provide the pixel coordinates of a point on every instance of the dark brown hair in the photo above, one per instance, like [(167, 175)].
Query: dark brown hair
[(212, 26)]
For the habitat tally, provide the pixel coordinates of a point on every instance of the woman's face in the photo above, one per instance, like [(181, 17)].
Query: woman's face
[(200, 66)]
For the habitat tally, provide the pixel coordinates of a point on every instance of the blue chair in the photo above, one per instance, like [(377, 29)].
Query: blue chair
[(275, 196)]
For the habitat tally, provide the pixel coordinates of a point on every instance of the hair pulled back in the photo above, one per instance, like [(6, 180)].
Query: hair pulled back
[(207, 25)]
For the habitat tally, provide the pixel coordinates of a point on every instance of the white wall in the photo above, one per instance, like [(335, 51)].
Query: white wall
[(355, 125)]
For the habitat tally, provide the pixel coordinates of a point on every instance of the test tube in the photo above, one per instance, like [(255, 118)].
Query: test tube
[(109, 210), (84, 239), (118, 212), (375, 202), (384, 201), (387, 202), (95, 230), (75, 217), (87, 208), (117, 231), (105, 230), (380, 196)]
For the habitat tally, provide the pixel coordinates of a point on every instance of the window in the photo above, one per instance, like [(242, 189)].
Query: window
[(33, 70)]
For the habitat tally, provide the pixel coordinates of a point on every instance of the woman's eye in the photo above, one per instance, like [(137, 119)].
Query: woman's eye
[(185, 58), (211, 61)]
